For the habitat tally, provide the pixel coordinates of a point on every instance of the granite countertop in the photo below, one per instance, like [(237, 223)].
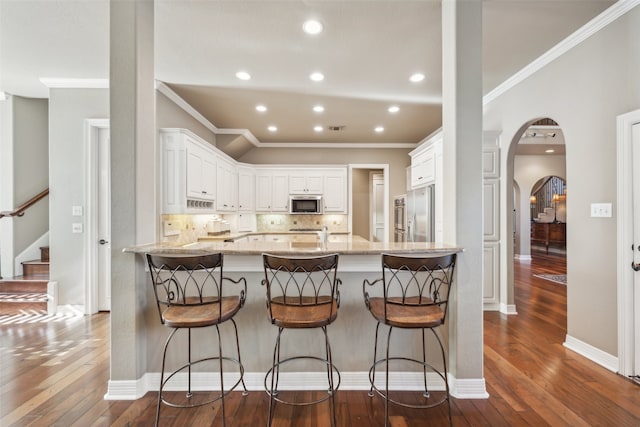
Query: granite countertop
[(241, 234), (352, 246)]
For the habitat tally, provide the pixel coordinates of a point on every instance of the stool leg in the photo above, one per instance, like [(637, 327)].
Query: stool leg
[(332, 401), (275, 370), (245, 391), (386, 396), (189, 393), (164, 357), (446, 377), (424, 365), (375, 352), (221, 376)]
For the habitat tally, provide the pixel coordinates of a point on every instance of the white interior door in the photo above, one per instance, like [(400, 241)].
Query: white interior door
[(104, 221), (377, 208), (635, 137)]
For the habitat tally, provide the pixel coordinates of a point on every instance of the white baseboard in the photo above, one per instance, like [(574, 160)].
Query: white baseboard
[(522, 258), (200, 381), (468, 388), (592, 353), (52, 297), (509, 309)]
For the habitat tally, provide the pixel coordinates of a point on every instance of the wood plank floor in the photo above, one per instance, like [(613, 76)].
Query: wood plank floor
[(54, 373)]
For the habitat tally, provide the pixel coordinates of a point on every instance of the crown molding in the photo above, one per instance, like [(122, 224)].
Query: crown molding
[(587, 30), (57, 83)]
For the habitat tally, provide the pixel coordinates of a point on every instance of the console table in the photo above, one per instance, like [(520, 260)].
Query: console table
[(549, 233)]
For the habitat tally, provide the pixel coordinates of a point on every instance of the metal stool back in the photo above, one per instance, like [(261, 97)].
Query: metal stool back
[(301, 293), (413, 293), (190, 294)]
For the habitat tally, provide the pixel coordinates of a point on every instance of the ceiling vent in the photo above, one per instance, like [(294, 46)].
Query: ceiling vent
[(336, 128)]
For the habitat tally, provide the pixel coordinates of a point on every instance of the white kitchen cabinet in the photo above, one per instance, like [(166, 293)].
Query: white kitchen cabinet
[(335, 191), (305, 182), (277, 238), (280, 192), (263, 191), (201, 175), (227, 187), (423, 169), (246, 190), (272, 191), (187, 172)]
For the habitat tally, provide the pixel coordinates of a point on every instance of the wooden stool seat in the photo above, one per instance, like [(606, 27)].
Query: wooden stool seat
[(407, 315), (198, 316)]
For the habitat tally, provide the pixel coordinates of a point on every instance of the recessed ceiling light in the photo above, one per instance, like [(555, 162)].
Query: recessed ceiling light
[(312, 27), (550, 150), (317, 76), (394, 109), (272, 128), (318, 128), (243, 75), (379, 129), (261, 108), (318, 108), (417, 77)]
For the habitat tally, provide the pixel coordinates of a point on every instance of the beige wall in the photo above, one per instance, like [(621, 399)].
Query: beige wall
[(169, 115), (361, 201), (31, 168), (584, 91), (68, 110)]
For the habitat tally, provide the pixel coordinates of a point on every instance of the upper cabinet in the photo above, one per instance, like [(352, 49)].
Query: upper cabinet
[(198, 178), (272, 190), (423, 168), (201, 166), (335, 191), (227, 186), (306, 182), (188, 173), (246, 189)]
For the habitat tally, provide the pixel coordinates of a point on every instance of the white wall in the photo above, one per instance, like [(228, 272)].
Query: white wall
[(24, 174), (584, 91), (527, 171), (68, 109), (31, 169)]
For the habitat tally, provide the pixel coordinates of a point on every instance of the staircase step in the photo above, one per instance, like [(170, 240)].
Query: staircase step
[(16, 303), (17, 285), (44, 253), (30, 268)]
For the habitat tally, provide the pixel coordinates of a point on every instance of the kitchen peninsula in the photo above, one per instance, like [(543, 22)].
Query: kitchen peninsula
[(352, 335)]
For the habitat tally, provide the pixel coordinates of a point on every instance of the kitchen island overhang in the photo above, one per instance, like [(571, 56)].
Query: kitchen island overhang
[(352, 335)]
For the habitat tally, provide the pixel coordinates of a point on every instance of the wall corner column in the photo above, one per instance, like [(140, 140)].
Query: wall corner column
[(463, 189), (132, 112)]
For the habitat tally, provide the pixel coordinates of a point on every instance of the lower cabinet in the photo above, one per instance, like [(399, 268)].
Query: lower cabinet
[(491, 279)]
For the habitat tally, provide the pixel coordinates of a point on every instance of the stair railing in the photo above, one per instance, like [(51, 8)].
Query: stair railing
[(19, 211)]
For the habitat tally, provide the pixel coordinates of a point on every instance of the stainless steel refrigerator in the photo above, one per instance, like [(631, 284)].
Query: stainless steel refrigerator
[(420, 215)]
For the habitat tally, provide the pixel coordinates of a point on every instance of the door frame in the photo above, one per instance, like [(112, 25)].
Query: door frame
[(385, 169), (626, 327), (92, 169)]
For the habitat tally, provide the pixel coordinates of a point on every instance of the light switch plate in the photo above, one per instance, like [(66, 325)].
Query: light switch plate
[(76, 210), (601, 210), (76, 227)]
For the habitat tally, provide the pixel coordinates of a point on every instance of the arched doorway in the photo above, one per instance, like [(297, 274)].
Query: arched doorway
[(537, 156)]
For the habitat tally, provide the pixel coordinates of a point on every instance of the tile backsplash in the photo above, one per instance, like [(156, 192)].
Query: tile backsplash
[(187, 228)]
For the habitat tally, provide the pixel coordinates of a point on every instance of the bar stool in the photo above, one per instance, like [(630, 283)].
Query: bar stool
[(302, 293), (189, 294), (414, 294)]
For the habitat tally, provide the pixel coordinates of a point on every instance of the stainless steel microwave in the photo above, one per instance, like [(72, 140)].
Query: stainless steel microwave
[(305, 205)]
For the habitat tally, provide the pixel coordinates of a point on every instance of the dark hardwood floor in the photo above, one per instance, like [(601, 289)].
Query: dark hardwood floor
[(54, 373)]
